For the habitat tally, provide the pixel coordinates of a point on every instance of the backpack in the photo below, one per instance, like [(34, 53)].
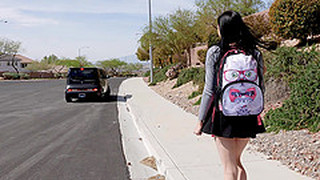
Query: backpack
[(238, 84)]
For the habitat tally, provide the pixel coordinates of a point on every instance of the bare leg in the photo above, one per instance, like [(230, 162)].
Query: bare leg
[(241, 144), (230, 150), (227, 151)]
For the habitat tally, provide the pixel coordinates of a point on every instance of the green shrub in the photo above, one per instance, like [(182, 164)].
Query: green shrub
[(128, 74), (286, 62), (198, 102), (302, 109), (160, 74), (201, 86), (11, 75), (24, 76), (194, 94), (152, 84), (146, 74), (202, 55), (295, 18), (196, 75), (299, 69)]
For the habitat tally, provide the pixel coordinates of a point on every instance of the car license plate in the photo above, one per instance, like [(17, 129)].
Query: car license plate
[(82, 95)]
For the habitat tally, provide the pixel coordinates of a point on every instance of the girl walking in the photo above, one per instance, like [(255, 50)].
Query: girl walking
[(231, 133)]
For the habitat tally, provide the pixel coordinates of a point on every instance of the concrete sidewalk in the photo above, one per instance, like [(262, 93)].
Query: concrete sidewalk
[(167, 131)]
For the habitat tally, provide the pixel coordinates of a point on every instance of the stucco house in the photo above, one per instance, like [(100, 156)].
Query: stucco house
[(20, 62)]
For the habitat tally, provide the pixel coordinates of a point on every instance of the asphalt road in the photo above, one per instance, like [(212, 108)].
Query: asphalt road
[(43, 137)]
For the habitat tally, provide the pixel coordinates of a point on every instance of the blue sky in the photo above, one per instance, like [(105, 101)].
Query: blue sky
[(101, 29)]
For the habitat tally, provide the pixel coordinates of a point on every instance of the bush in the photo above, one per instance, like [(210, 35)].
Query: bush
[(295, 18), (128, 74), (196, 75), (259, 23), (302, 109), (152, 84), (202, 55), (160, 74), (194, 94), (24, 76), (198, 102), (146, 74), (286, 62), (11, 75), (300, 69), (201, 86)]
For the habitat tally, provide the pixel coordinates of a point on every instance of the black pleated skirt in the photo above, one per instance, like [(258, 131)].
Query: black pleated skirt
[(232, 127)]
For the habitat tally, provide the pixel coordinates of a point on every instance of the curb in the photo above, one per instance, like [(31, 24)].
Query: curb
[(142, 128), (165, 164)]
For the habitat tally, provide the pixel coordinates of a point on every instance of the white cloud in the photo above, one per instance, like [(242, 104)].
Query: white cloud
[(83, 28), (99, 6), (16, 16)]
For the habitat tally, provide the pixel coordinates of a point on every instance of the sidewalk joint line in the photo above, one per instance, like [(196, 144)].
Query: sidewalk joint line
[(165, 151)]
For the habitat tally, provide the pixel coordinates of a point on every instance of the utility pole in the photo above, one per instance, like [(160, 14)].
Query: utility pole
[(79, 55), (150, 43)]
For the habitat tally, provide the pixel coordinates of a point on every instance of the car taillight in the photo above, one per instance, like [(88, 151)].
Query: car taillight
[(78, 90), (73, 90)]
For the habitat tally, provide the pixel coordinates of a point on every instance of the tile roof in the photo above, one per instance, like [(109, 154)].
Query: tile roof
[(18, 57)]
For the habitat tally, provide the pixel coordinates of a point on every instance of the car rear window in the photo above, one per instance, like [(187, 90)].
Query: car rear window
[(83, 74)]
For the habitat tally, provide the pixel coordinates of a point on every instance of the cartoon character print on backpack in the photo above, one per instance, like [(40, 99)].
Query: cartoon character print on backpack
[(239, 67), (242, 99), (241, 94)]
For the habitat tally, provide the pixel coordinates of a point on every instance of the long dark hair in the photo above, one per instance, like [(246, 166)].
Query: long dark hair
[(234, 30)]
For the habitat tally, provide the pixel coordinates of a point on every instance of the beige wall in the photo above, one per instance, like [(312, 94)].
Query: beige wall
[(194, 55)]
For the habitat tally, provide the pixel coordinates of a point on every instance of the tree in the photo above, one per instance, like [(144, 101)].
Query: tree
[(247, 7), (143, 50), (132, 68), (295, 18), (36, 66), (113, 65), (52, 59), (83, 61), (142, 54), (164, 41), (10, 48), (183, 23), (175, 34), (209, 10), (68, 62), (172, 35)]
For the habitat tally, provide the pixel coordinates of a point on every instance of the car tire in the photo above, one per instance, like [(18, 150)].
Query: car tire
[(108, 92), (68, 99)]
